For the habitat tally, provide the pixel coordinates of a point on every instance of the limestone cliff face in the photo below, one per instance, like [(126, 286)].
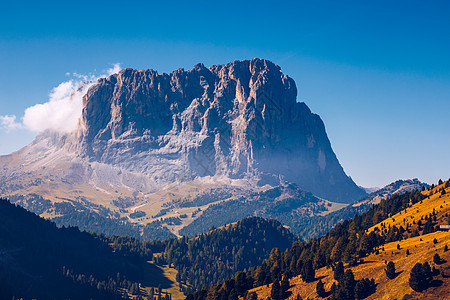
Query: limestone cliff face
[(239, 120)]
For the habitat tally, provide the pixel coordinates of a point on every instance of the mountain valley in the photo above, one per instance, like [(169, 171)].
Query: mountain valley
[(211, 183)]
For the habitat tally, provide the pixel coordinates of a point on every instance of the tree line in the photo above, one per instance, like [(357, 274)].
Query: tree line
[(347, 242)]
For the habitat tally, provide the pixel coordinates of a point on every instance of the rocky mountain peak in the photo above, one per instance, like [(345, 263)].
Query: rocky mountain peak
[(240, 120)]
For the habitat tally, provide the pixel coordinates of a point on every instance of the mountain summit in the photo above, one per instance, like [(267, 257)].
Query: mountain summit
[(145, 139), (240, 120)]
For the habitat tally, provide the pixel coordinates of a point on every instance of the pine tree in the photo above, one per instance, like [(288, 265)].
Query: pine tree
[(308, 273), (339, 271), (320, 289), (426, 269), (360, 290), (420, 277), (233, 295), (390, 270), (241, 283), (364, 288), (416, 278), (284, 286), (253, 296), (348, 284), (437, 259), (275, 292)]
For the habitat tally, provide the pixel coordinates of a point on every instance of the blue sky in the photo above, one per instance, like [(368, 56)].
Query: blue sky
[(377, 72)]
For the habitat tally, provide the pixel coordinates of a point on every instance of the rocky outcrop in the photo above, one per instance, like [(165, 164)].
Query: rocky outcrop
[(239, 121), (398, 187)]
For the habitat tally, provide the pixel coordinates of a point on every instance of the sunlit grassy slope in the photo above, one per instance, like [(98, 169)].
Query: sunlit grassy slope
[(436, 205), (166, 278), (173, 288), (421, 249)]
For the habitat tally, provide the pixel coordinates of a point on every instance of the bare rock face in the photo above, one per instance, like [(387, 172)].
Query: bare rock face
[(238, 121)]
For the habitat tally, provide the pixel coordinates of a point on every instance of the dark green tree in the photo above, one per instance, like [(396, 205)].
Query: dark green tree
[(233, 295), (437, 259), (420, 277), (241, 283), (360, 290), (339, 271), (284, 286), (348, 284), (426, 269), (364, 288), (253, 296), (390, 270), (275, 292), (308, 273), (320, 289)]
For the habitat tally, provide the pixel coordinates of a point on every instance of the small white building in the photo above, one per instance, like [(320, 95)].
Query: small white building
[(444, 227)]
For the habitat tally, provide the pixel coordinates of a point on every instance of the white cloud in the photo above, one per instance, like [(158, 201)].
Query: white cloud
[(115, 69), (61, 112), (9, 123), (63, 109)]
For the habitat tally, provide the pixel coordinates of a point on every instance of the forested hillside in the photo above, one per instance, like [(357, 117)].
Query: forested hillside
[(288, 204), (390, 269), (349, 242), (90, 217), (217, 255), (39, 260), (318, 225)]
